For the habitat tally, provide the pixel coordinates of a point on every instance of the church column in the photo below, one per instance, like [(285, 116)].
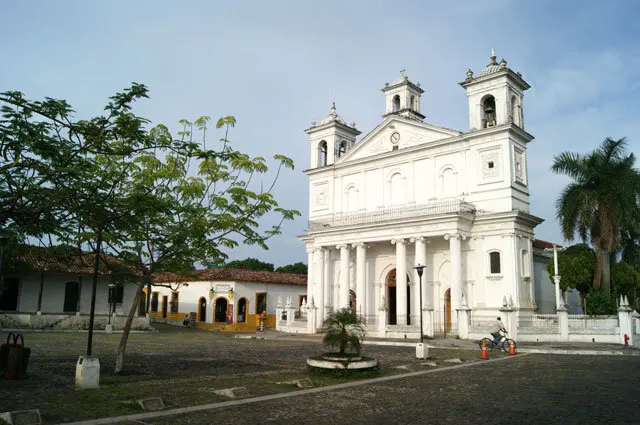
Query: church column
[(319, 292), (310, 278), (420, 258), (401, 281), (456, 270), (328, 303), (361, 296), (343, 298)]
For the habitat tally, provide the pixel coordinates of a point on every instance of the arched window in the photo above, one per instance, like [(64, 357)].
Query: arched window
[(154, 301), (494, 263), (414, 103), (351, 198), (488, 112), (242, 310), (322, 153), (221, 310), (396, 103), (449, 182), (174, 302), (397, 189), (342, 149), (525, 264), (142, 303), (71, 297), (202, 309)]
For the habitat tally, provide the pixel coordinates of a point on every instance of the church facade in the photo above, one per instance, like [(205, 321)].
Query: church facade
[(411, 193)]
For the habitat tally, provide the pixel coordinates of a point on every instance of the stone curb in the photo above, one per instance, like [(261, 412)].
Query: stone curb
[(622, 352), (95, 331), (203, 407)]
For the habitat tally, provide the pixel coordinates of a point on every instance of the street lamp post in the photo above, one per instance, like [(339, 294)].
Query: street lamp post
[(112, 295), (420, 268), (556, 276), (421, 351), (4, 236)]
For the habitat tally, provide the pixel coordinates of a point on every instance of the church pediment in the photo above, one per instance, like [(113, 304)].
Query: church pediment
[(396, 133)]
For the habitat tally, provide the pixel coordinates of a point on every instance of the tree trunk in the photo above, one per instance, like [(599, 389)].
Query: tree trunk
[(127, 327), (606, 273)]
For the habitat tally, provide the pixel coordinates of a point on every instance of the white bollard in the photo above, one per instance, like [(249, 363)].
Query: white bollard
[(88, 372), (422, 351)]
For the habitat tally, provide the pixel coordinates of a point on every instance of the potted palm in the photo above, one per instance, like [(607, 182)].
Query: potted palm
[(345, 330)]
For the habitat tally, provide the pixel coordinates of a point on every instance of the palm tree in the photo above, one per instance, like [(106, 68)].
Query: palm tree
[(601, 202), (345, 329)]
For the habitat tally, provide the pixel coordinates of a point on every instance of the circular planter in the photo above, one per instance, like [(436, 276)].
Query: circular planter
[(332, 361)]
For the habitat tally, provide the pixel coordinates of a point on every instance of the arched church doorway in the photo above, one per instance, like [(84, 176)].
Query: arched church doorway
[(352, 301), (221, 310), (447, 310), (202, 309), (391, 297)]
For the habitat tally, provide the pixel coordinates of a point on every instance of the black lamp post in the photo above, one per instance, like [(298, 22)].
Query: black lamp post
[(112, 296), (4, 236), (420, 268)]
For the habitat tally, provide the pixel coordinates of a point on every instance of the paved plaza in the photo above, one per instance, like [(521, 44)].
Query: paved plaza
[(185, 366)]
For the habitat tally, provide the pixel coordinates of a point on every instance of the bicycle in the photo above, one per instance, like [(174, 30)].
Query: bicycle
[(503, 343)]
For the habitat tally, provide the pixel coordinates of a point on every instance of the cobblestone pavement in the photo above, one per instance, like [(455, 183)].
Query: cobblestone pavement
[(182, 366), (533, 389), (185, 366)]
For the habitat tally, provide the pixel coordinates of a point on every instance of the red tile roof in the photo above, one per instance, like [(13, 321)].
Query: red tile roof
[(538, 243), (45, 259), (239, 275)]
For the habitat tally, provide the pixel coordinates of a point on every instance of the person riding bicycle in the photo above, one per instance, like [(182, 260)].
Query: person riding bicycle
[(495, 330)]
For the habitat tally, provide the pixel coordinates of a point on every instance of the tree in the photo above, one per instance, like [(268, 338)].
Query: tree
[(344, 329), (577, 266), (249, 264), (626, 281), (600, 202), (157, 202), (195, 215), (296, 268)]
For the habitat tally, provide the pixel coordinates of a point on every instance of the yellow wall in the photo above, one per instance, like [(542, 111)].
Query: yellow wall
[(251, 325)]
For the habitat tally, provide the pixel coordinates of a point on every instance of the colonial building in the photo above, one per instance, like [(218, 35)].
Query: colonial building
[(42, 288), (410, 192), (226, 299)]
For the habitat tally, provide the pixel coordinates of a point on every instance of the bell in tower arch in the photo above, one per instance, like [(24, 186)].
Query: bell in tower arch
[(489, 112)]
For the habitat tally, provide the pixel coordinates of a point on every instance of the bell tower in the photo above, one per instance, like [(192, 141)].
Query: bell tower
[(495, 95), (402, 97), (330, 139)]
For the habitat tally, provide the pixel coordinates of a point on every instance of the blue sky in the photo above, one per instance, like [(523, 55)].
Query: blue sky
[(276, 65)]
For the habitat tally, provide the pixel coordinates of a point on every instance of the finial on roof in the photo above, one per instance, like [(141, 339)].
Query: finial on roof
[(493, 56), (403, 73)]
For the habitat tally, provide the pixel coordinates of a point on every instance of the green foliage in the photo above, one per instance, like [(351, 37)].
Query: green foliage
[(600, 303), (159, 203), (626, 281), (296, 268), (576, 265), (601, 202), (249, 264), (344, 329)]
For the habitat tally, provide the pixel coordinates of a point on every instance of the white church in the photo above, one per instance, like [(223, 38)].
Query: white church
[(411, 193)]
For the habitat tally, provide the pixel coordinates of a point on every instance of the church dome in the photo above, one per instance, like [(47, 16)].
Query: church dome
[(333, 116), (493, 66)]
